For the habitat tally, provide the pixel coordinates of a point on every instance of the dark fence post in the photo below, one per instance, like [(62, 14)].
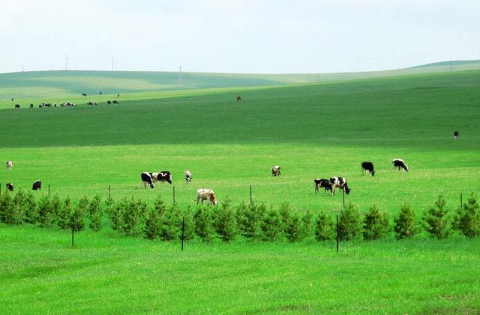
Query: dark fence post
[(343, 198), (183, 230), (109, 192), (338, 239), (251, 199), (48, 190), (173, 194), (461, 200), (0, 188)]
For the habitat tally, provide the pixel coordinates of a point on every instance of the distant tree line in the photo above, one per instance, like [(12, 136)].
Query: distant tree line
[(135, 217)]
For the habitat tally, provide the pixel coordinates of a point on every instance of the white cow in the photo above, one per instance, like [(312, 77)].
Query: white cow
[(188, 176), (206, 194), (9, 165), (276, 171)]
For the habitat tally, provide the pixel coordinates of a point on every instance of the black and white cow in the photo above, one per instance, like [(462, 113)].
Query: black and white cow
[(37, 185), (17, 105), (147, 180), (163, 176), (9, 165), (322, 183), (115, 102), (368, 166), (455, 135), (340, 182), (400, 164), (9, 186), (188, 176), (276, 171)]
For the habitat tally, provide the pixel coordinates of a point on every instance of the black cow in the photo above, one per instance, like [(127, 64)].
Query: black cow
[(84, 94), (163, 176), (90, 104), (455, 135), (100, 92), (340, 182), (37, 185), (109, 102), (115, 102), (400, 164), (368, 166), (147, 179), (239, 98), (10, 186), (31, 105), (321, 182), (17, 105)]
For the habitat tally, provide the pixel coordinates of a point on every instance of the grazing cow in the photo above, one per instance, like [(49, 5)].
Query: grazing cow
[(31, 105), (276, 171), (322, 183), (163, 176), (368, 166), (109, 102), (118, 95), (455, 135), (17, 105), (147, 179), (239, 98), (340, 182), (188, 176), (9, 165), (100, 92), (90, 104), (84, 94), (400, 164), (12, 99), (115, 102), (9, 186), (206, 194), (37, 185)]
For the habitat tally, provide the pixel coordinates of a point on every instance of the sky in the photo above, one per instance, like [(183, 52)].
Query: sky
[(236, 36)]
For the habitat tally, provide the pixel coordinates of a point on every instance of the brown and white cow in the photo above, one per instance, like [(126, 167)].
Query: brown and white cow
[(276, 171), (206, 194), (9, 165)]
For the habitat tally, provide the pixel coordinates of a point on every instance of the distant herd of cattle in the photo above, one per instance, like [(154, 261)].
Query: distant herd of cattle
[(150, 178), (68, 104)]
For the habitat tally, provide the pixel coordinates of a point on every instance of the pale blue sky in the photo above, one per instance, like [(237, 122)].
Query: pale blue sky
[(249, 36)]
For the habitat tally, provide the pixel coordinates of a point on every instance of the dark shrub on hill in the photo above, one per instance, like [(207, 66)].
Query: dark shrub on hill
[(251, 217), (153, 225), (307, 224), (31, 211), (405, 224), (189, 228), (204, 223), (350, 224), (6, 208), (76, 221), (133, 216), (271, 226), (63, 218), (324, 227), (225, 222), (56, 205), (376, 224), (467, 218), (436, 220), (45, 213), (284, 212)]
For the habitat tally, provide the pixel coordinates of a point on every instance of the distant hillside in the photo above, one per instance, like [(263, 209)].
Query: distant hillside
[(49, 84)]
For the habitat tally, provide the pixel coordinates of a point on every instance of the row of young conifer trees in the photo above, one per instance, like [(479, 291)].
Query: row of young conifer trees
[(135, 217)]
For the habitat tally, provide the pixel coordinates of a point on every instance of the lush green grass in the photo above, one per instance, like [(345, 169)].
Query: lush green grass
[(110, 275), (311, 130)]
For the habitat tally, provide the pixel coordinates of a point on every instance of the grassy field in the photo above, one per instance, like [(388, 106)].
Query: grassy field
[(312, 130)]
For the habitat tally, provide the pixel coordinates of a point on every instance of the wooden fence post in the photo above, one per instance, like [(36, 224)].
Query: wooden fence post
[(173, 194), (338, 239), (183, 230), (109, 192), (48, 190), (73, 237), (251, 199)]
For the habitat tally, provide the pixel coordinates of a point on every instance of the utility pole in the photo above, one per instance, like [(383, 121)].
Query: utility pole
[(112, 63), (66, 62), (23, 69)]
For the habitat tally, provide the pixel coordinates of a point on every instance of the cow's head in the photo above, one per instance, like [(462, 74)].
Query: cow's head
[(347, 190), (213, 199)]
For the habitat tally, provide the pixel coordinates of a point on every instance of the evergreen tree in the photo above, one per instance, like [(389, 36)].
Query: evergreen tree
[(6, 208), (251, 223), (115, 213), (76, 221), (405, 224), (31, 211), (467, 218), (436, 220), (45, 215), (349, 224), (17, 213), (189, 232), (133, 216), (63, 219), (225, 224), (56, 207), (171, 223), (376, 224), (95, 213), (271, 225), (284, 212), (294, 229), (152, 225), (307, 223), (204, 223), (325, 228)]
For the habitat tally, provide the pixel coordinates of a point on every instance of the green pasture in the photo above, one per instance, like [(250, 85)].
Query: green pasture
[(313, 130)]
